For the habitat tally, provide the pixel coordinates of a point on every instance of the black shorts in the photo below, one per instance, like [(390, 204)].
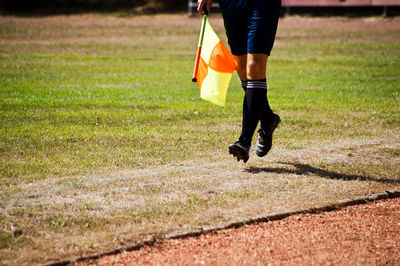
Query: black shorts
[(250, 24)]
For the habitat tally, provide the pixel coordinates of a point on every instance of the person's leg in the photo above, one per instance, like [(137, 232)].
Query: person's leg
[(251, 67), (239, 149), (235, 21), (256, 66), (258, 106), (248, 33), (241, 66), (262, 25), (255, 104)]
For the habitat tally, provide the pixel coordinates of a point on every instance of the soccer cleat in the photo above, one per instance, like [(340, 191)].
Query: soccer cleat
[(264, 140), (240, 151)]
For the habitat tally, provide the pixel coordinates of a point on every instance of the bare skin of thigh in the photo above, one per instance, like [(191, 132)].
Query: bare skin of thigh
[(251, 66)]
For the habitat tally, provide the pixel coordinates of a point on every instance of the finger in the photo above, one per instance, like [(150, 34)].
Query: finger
[(200, 5)]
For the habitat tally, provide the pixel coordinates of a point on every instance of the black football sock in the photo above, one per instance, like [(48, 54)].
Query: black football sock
[(245, 110), (254, 104), (266, 112), (244, 84)]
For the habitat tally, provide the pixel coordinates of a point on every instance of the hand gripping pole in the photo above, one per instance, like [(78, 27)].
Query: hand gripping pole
[(203, 26)]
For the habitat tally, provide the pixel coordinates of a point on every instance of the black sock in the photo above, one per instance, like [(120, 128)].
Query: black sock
[(255, 107), (244, 84), (245, 115), (266, 112)]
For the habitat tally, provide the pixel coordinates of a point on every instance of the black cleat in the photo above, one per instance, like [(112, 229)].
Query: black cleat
[(240, 151), (264, 140)]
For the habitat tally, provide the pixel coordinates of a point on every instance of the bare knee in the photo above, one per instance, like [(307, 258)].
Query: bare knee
[(256, 66)]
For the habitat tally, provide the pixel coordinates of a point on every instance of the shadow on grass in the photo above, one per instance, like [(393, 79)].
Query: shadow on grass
[(304, 169)]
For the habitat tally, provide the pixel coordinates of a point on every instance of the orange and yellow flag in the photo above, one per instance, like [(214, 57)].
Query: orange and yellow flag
[(215, 68)]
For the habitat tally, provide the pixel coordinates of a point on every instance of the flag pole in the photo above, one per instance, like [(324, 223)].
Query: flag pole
[(203, 26)]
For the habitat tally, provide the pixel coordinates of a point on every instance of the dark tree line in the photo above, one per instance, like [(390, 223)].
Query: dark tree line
[(26, 6)]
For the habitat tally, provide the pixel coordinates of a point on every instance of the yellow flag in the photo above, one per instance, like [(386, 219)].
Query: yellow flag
[(215, 68)]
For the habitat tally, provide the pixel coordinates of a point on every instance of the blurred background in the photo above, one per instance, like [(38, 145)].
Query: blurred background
[(132, 7), (76, 6)]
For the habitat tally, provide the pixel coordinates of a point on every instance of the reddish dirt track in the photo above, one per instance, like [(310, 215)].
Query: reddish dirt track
[(358, 235)]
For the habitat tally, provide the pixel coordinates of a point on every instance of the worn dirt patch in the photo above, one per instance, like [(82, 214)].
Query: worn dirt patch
[(359, 235)]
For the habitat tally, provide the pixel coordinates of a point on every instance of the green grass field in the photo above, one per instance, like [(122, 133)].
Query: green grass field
[(104, 140)]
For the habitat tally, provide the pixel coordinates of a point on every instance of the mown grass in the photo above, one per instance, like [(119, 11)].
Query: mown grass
[(67, 108), (103, 135)]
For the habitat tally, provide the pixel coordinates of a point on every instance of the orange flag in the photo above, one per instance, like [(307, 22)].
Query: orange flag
[(215, 68)]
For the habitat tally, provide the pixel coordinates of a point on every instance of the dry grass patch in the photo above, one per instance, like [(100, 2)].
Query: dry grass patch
[(100, 212)]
